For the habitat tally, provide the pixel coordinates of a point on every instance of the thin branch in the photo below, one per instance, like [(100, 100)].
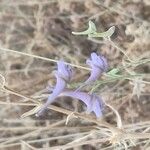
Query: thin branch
[(42, 58)]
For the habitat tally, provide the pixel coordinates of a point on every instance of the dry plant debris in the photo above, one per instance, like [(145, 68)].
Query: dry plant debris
[(35, 35)]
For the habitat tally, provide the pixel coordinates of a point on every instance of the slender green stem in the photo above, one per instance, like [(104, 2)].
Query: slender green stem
[(112, 79)]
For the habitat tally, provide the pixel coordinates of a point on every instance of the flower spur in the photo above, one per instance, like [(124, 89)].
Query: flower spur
[(93, 102)]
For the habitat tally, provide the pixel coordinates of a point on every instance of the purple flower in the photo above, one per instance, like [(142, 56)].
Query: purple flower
[(63, 76), (92, 101), (98, 65)]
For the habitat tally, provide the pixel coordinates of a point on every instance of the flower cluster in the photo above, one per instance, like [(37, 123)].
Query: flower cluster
[(64, 73)]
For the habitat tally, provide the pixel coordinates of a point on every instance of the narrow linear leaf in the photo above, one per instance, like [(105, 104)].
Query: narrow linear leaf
[(31, 112), (113, 72)]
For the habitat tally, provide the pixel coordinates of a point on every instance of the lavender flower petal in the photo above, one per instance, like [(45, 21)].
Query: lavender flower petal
[(98, 106), (64, 71), (98, 65)]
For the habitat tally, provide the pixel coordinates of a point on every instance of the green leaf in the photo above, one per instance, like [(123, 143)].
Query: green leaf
[(106, 34), (113, 72), (91, 30)]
